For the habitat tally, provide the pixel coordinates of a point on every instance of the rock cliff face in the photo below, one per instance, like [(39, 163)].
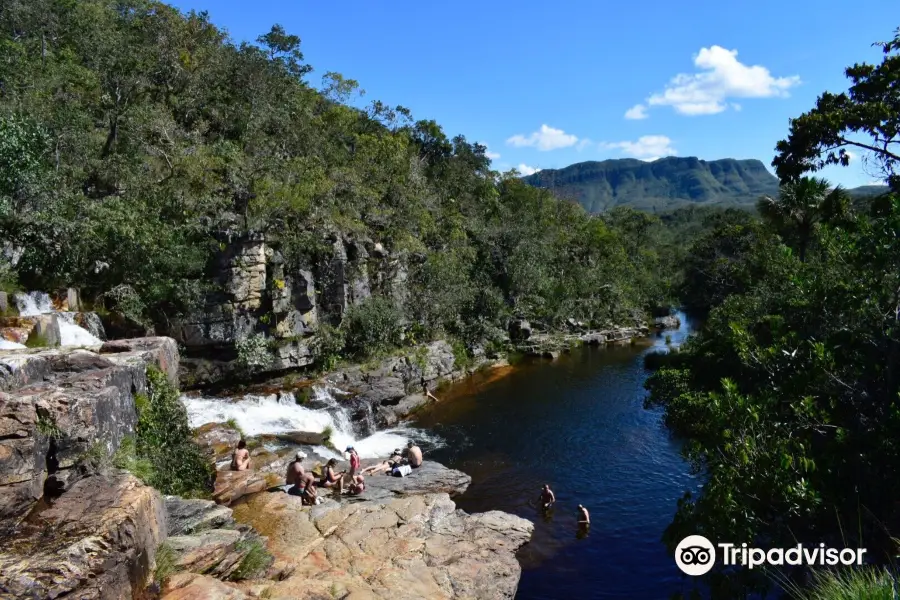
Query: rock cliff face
[(56, 405), (71, 531), (259, 294)]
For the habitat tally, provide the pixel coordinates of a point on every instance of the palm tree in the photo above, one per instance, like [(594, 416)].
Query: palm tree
[(800, 206)]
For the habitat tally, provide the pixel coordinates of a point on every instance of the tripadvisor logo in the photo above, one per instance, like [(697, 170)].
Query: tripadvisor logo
[(695, 555)]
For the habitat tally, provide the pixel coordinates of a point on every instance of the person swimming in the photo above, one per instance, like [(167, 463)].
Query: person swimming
[(584, 518)]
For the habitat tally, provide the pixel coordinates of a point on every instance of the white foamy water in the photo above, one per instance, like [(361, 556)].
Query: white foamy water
[(7, 345), (33, 304), (258, 415)]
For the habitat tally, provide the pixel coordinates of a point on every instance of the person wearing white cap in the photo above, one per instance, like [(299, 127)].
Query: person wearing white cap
[(293, 479)]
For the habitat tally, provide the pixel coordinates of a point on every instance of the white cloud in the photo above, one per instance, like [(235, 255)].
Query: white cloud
[(583, 144), (547, 138), (636, 112), (492, 155), (525, 170), (647, 147), (722, 76)]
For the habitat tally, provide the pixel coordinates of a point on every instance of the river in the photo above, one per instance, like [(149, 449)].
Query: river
[(579, 425)]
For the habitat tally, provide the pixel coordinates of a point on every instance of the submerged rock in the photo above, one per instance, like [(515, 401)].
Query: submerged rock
[(404, 548)]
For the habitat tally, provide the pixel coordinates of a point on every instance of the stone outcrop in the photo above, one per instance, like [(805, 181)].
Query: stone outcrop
[(58, 405), (668, 322), (393, 389), (430, 478), (205, 539), (96, 541), (411, 547), (233, 485)]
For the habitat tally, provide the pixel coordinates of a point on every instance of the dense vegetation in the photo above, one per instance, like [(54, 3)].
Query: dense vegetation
[(138, 139), (789, 398), (666, 183)]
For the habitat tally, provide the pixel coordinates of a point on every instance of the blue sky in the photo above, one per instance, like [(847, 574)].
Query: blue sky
[(545, 85)]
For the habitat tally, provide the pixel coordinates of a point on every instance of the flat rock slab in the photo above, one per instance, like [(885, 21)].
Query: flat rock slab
[(191, 586), (234, 485), (430, 478), (98, 540), (409, 547)]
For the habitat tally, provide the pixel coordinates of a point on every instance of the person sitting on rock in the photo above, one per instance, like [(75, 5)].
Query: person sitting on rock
[(413, 455), (293, 479), (428, 393), (357, 486), (240, 460), (332, 479), (395, 460), (308, 490), (547, 497)]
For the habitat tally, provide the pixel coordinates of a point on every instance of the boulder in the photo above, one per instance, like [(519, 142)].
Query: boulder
[(233, 485), (98, 540), (412, 547), (192, 586), (45, 331), (430, 478), (218, 439), (669, 322), (186, 516), (307, 438), (519, 330)]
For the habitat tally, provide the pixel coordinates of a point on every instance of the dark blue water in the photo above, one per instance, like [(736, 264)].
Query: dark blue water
[(579, 425)]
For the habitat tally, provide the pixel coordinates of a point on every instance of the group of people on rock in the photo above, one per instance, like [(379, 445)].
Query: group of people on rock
[(305, 484), (547, 499)]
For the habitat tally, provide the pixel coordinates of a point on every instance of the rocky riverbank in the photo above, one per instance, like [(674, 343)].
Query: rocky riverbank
[(83, 530)]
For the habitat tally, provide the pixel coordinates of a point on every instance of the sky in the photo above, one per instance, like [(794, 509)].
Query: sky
[(545, 85)]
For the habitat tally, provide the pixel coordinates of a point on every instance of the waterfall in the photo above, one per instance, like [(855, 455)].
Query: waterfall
[(7, 345), (280, 413), (70, 333)]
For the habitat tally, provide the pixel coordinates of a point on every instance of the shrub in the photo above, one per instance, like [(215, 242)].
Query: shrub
[(166, 564), (253, 353), (461, 357), (166, 455), (328, 346), (374, 326), (255, 561), (850, 584)]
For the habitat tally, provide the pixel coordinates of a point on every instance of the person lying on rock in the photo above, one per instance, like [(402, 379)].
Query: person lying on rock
[(395, 460), (413, 455), (357, 485), (332, 478), (240, 460), (293, 479), (547, 497)]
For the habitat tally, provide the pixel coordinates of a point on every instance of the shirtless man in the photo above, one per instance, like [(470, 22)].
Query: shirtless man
[(395, 460), (413, 455), (240, 460), (584, 518), (547, 497), (294, 476)]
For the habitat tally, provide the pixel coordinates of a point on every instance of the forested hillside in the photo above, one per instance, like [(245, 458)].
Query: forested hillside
[(140, 144), (666, 183)]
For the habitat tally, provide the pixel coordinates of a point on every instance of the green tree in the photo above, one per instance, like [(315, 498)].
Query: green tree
[(800, 206), (864, 118)]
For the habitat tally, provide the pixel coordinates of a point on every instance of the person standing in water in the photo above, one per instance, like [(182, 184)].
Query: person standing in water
[(547, 497), (584, 518), (240, 460)]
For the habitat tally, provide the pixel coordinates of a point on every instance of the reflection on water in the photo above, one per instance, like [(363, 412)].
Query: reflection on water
[(577, 424)]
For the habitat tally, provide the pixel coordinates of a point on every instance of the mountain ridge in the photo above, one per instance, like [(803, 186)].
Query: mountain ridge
[(665, 183)]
